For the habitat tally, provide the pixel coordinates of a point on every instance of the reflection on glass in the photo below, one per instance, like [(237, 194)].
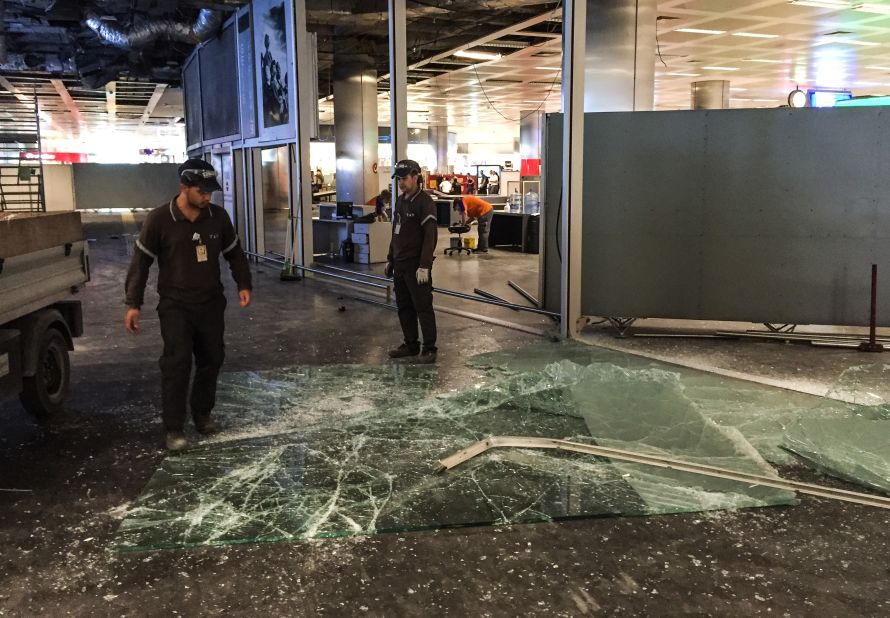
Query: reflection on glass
[(275, 198)]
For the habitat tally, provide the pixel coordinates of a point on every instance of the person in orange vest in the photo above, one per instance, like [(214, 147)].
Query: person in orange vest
[(472, 208)]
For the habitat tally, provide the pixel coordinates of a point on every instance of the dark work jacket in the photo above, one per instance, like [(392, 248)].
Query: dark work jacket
[(414, 218), (170, 238)]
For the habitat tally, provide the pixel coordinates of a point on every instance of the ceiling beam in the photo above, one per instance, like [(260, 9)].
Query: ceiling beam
[(497, 34), (153, 102), (59, 85), (15, 91)]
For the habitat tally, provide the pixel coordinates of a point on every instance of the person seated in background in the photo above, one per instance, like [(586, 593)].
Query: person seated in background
[(472, 208), (494, 183), (381, 204)]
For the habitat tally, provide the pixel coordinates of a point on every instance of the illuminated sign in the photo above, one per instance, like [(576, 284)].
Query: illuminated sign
[(54, 157)]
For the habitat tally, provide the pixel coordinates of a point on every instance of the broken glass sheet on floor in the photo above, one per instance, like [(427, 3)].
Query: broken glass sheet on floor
[(366, 464), (852, 449), (759, 412)]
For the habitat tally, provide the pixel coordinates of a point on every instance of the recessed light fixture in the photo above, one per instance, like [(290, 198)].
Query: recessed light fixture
[(477, 55), (720, 68), (699, 31), (756, 35)]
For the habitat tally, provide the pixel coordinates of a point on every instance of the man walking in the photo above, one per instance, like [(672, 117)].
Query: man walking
[(187, 236), (410, 261)]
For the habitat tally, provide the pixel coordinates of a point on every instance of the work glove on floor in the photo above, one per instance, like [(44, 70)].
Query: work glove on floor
[(387, 270), (423, 276)]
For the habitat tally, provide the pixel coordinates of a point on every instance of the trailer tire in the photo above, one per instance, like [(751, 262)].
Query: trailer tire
[(43, 394)]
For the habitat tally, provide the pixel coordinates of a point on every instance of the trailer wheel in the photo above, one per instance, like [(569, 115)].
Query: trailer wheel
[(43, 395)]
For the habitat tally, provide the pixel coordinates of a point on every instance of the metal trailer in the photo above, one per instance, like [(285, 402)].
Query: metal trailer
[(44, 261)]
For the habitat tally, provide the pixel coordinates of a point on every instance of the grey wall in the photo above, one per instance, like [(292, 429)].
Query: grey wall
[(752, 215), (146, 185)]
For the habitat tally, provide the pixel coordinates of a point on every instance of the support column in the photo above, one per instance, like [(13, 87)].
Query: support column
[(530, 142), (299, 239), (438, 139), (355, 119), (574, 22), (619, 75), (398, 86), (710, 94)]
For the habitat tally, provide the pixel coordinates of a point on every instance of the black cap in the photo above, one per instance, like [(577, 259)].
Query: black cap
[(405, 167), (199, 173)]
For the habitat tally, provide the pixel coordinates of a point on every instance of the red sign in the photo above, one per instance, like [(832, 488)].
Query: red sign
[(54, 157)]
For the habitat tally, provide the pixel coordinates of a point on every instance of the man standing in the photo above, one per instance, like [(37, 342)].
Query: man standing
[(474, 208), (187, 236), (410, 260)]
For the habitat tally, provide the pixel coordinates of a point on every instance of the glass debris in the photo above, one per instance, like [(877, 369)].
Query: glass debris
[(330, 451), (854, 449)]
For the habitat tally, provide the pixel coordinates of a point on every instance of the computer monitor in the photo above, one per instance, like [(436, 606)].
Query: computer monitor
[(344, 210)]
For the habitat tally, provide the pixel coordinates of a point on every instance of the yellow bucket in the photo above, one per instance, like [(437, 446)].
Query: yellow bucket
[(470, 243)]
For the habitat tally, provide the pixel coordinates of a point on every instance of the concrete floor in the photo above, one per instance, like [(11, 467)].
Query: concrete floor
[(80, 472)]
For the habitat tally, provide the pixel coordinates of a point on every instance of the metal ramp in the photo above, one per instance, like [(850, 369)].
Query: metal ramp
[(21, 167)]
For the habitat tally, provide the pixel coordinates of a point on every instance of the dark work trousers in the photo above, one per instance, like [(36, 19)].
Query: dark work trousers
[(484, 229), (415, 303), (190, 330)]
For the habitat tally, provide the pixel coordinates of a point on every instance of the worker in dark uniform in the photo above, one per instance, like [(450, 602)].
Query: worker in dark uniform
[(187, 236), (410, 261)]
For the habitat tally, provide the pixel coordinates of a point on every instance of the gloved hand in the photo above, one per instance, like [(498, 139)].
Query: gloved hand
[(423, 276), (387, 270)]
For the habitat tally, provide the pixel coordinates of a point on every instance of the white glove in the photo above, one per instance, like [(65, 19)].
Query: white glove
[(423, 276)]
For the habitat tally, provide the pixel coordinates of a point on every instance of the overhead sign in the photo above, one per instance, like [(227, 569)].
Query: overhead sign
[(55, 157)]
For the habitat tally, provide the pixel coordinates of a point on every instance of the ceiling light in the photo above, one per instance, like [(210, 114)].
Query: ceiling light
[(699, 31), (824, 4), (878, 68), (756, 35), (548, 68), (827, 40), (739, 89), (476, 55), (764, 61), (685, 74), (720, 68), (869, 7)]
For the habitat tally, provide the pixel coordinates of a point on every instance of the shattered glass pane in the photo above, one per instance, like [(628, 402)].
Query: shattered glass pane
[(853, 449), (351, 450)]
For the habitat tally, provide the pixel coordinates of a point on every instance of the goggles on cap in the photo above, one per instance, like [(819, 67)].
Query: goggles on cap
[(205, 174)]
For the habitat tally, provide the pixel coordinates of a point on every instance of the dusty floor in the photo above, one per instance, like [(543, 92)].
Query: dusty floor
[(819, 558)]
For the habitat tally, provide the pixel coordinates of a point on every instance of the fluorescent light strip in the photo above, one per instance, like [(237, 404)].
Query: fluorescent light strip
[(477, 55), (764, 61), (699, 31), (833, 41), (548, 68), (878, 68), (720, 68), (823, 4), (685, 74), (869, 7), (756, 35)]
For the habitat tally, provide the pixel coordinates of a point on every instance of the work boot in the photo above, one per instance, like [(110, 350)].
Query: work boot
[(427, 357), (206, 426), (404, 350), (175, 441)]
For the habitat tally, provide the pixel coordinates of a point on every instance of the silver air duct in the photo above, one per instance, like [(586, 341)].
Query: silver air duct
[(205, 26)]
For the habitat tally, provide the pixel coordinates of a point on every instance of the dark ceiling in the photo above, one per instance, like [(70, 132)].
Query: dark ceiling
[(51, 38)]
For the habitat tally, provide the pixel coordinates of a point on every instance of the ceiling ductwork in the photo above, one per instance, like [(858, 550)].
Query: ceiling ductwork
[(205, 26)]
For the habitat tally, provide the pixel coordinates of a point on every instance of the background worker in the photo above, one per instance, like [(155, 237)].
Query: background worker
[(410, 262), (474, 208), (187, 237), (381, 205)]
